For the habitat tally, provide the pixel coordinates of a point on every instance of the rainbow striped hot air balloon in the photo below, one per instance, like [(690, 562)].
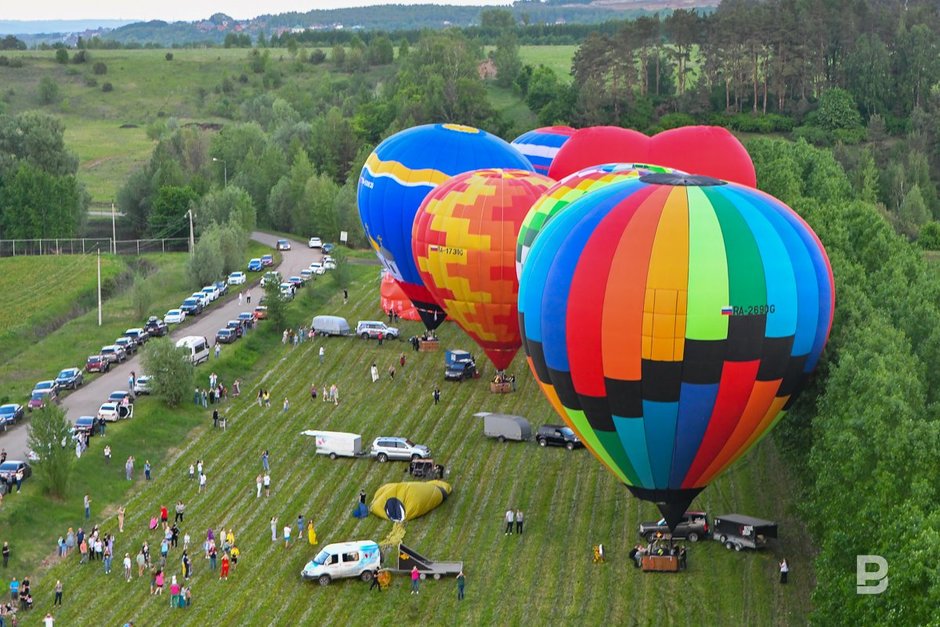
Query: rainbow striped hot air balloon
[(568, 190), (677, 317), (400, 173), (542, 144), (464, 238)]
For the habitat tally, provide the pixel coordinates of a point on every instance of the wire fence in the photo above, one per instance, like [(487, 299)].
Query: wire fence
[(81, 246)]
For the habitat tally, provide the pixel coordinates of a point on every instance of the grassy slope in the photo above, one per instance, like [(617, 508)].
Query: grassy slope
[(27, 359), (558, 58), (545, 577)]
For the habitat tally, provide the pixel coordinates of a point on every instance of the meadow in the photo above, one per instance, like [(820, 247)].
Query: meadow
[(545, 576)]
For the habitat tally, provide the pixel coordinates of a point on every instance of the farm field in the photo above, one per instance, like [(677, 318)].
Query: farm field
[(558, 58), (570, 502), (63, 329)]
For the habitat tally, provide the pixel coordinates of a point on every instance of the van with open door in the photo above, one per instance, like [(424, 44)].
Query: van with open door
[(344, 560), (197, 348)]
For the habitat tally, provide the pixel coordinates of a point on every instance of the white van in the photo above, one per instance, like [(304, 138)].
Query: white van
[(198, 348), (342, 560), (337, 443)]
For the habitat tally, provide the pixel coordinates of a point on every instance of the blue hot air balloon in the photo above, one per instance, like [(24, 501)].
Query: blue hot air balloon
[(399, 174), (541, 145)]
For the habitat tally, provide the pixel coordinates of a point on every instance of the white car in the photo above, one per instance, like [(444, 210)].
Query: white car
[(142, 385), (112, 412), (329, 264), (317, 268), (287, 290), (202, 297), (237, 278), (212, 292), (315, 242), (174, 316)]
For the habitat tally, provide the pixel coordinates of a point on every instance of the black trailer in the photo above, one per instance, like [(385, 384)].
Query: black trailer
[(737, 531), (408, 558)]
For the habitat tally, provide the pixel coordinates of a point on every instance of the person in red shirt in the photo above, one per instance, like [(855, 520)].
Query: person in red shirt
[(225, 563), (164, 514)]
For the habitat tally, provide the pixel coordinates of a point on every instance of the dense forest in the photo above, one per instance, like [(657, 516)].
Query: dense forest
[(839, 106)]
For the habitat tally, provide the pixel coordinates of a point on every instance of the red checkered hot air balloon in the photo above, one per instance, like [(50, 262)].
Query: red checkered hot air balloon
[(464, 242)]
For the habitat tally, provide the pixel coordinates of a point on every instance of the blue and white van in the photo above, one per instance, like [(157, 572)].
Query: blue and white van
[(343, 560)]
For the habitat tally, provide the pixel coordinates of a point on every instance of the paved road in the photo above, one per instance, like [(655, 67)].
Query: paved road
[(87, 399)]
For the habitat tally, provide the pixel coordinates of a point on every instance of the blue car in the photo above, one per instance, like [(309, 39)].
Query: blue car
[(254, 265), (328, 248), (10, 414)]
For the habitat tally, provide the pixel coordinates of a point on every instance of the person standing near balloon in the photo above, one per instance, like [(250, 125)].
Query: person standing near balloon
[(784, 570)]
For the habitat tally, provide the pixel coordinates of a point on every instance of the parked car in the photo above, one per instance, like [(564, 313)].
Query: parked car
[(459, 365), (306, 274), (222, 286), (225, 336), (328, 248), (203, 299), (212, 293), (48, 384), (296, 281), (142, 385), (282, 244), (129, 345), (329, 263), (344, 560), (138, 335), (10, 467), (118, 396), (315, 242), (174, 316), (267, 260), (112, 412), (114, 353), (692, 526), (70, 378), (386, 448), (40, 398), (255, 265), (248, 319), (261, 312), (10, 414), (236, 326), (316, 267), (237, 278), (84, 424), (192, 306), (156, 327), (370, 329), (287, 290), (557, 435), (97, 363)]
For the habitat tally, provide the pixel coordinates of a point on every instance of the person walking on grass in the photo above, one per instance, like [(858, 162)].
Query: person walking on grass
[(147, 470), (223, 574), (180, 512), (258, 484), (6, 554), (510, 519), (127, 567), (129, 468), (87, 502), (519, 520), (202, 482), (120, 514), (374, 371), (415, 578), (267, 484), (287, 530), (784, 570), (58, 593), (461, 580), (265, 459), (274, 529), (107, 454)]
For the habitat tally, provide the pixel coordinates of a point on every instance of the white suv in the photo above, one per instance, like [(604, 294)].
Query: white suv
[(315, 242), (385, 448), (367, 329)]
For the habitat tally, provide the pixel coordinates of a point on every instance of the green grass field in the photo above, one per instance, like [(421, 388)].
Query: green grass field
[(60, 328), (543, 577), (558, 58)]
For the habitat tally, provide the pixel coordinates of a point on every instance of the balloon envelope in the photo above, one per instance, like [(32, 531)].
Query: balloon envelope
[(677, 318), (393, 298), (399, 174), (464, 241), (706, 150), (542, 144), (399, 502)]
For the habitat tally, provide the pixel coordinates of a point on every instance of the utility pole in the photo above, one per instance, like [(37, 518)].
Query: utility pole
[(192, 242), (99, 287), (113, 230), (224, 170)]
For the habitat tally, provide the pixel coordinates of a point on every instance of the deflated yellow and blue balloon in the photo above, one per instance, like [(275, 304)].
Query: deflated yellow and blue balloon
[(399, 502)]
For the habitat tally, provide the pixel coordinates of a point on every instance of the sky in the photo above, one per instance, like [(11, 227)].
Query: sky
[(187, 10)]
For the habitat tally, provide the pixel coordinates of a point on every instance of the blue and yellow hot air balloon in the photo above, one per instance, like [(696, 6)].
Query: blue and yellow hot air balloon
[(676, 317), (400, 173)]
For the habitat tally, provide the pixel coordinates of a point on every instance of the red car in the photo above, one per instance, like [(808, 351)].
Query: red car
[(261, 312), (40, 398), (97, 363)]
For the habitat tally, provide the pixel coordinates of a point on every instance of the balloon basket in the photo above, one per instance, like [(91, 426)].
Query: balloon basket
[(501, 388), (428, 346)]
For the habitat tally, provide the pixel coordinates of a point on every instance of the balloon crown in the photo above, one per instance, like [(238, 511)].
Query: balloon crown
[(681, 180)]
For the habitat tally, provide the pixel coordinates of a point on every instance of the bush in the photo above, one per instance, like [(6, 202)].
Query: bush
[(169, 56), (675, 120), (170, 370), (91, 81), (80, 57), (62, 56), (48, 91), (929, 237), (107, 87), (100, 68), (813, 135), (48, 430), (4, 61), (850, 136), (317, 57)]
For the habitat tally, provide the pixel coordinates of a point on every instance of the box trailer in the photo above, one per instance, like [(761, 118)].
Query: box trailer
[(505, 426), (337, 443)]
